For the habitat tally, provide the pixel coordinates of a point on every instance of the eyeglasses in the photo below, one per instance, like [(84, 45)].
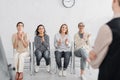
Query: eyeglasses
[(81, 25)]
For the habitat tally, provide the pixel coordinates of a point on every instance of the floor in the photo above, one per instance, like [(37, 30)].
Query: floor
[(44, 75), (91, 74)]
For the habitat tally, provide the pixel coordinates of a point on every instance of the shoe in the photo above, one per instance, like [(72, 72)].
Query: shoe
[(36, 68), (83, 77), (17, 76), (64, 73), (48, 68), (60, 73), (20, 76)]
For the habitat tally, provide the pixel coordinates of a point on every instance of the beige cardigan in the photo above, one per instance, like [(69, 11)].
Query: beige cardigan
[(20, 47), (81, 42)]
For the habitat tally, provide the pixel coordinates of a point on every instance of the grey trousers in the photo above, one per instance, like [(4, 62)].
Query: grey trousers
[(83, 54)]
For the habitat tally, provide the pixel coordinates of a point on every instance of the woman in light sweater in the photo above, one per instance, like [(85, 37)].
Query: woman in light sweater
[(62, 49), (82, 46), (20, 45)]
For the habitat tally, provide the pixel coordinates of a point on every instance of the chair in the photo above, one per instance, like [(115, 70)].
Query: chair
[(42, 60)]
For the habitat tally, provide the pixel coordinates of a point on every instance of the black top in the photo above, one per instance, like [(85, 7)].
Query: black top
[(110, 67)]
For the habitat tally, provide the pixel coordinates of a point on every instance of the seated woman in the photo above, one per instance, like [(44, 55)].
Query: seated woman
[(20, 45), (62, 49), (42, 48), (81, 45)]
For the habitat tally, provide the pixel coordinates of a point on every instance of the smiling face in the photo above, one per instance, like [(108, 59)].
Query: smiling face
[(116, 6), (81, 27), (64, 29), (20, 27)]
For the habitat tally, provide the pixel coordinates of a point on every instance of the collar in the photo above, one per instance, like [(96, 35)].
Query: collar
[(116, 15)]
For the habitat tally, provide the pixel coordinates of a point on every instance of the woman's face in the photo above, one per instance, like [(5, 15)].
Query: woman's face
[(41, 29), (81, 28), (20, 27), (64, 29)]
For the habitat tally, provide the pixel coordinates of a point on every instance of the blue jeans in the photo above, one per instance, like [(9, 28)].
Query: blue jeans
[(66, 56), (45, 54), (83, 53)]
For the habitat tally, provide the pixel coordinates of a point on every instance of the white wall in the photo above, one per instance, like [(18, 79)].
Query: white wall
[(52, 14)]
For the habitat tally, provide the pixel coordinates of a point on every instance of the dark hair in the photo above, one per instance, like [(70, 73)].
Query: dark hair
[(20, 23), (61, 28), (81, 24), (36, 31)]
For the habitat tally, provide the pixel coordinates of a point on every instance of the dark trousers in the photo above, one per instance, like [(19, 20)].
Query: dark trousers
[(45, 54), (65, 55)]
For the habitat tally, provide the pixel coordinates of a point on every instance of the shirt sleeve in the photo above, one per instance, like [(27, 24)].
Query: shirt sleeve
[(69, 44), (13, 38), (101, 45), (55, 41), (26, 37), (46, 42), (36, 43)]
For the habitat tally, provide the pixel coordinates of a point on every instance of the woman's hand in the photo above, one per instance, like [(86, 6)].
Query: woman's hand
[(92, 55), (20, 36), (59, 42), (66, 41), (43, 39)]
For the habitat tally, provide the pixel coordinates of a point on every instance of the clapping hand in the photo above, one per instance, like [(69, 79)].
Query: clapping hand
[(66, 41), (59, 42), (92, 55), (20, 36)]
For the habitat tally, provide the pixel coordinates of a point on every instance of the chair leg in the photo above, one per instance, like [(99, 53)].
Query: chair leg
[(73, 64)]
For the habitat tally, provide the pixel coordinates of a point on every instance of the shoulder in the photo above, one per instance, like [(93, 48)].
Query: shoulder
[(46, 36), (36, 37), (57, 34), (14, 34), (87, 34), (104, 29), (76, 34)]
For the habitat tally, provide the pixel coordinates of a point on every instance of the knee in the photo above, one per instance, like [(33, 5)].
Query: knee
[(21, 57), (38, 53), (47, 54), (57, 54), (67, 55)]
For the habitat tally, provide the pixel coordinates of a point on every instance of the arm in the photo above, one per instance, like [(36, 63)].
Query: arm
[(15, 41), (37, 42), (75, 40), (101, 45), (88, 40), (67, 41), (55, 42), (25, 40), (46, 42)]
